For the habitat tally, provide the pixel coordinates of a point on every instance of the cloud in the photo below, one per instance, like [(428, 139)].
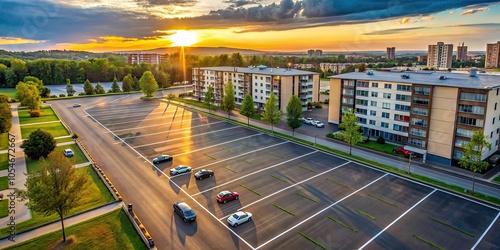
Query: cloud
[(451, 12), (240, 3), (391, 31), (286, 9), (404, 20), (17, 40), (472, 11), (169, 2), (485, 25)]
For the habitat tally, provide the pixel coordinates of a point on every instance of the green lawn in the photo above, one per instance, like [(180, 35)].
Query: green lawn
[(195, 103), (98, 195), (55, 128), (46, 115), (65, 139), (32, 165), (4, 160), (497, 179), (4, 208), (384, 148), (4, 141), (11, 92), (109, 231), (4, 182)]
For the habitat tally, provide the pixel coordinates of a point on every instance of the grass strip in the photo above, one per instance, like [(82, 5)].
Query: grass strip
[(497, 179), (283, 209), (4, 161), (448, 225), (366, 214), (4, 141), (228, 150), (382, 200), (338, 183), (277, 177), (209, 156), (249, 162), (275, 155), (312, 240), (250, 189), (428, 242), (230, 169), (307, 197), (308, 169), (4, 208), (342, 224), (4, 182)]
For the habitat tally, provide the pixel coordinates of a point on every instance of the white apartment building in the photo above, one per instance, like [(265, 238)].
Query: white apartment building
[(259, 82)]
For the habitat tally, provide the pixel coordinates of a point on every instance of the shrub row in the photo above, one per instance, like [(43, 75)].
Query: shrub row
[(342, 224), (307, 197), (456, 228), (312, 240), (428, 242), (382, 200), (277, 178), (230, 169), (366, 214), (250, 189), (283, 209)]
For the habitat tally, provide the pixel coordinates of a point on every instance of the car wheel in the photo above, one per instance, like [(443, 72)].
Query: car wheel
[(236, 198), (224, 201), (235, 225), (210, 176), (250, 218), (393, 151), (185, 220)]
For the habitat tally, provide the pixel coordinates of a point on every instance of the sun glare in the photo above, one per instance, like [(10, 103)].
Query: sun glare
[(183, 38)]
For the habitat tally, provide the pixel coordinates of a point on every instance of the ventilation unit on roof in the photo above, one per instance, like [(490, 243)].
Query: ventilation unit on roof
[(369, 72), (261, 67), (473, 72), (405, 76)]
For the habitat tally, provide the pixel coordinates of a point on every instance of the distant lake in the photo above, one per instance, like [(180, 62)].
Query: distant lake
[(78, 87)]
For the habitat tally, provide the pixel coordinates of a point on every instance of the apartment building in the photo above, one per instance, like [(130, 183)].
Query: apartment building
[(335, 67), (315, 53), (462, 52), (259, 82), (492, 55), (390, 53), (146, 58), (433, 113), (440, 56)]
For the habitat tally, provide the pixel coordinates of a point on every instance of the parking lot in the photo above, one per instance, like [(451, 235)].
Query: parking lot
[(294, 191)]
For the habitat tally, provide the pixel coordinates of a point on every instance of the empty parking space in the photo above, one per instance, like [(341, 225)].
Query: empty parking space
[(291, 188)]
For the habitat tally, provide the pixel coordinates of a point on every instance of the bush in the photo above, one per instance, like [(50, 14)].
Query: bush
[(35, 113), (70, 94), (62, 95), (327, 101), (53, 96), (81, 93), (380, 140), (318, 105), (74, 136)]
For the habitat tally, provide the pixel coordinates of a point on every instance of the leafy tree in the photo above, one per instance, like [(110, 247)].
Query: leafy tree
[(271, 112), (473, 152), (34, 80), (247, 108), (163, 79), (362, 67), (209, 98), (45, 92), (56, 187), (228, 103), (88, 88), (135, 84), (69, 88), (127, 83), (5, 116), (28, 95), (99, 89), (293, 113), (349, 129), (115, 88), (148, 84), (39, 144)]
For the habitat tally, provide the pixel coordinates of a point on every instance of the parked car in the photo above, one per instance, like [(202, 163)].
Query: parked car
[(180, 169), (308, 121), (68, 152), (239, 218), (494, 160), (226, 196), (318, 124), (204, 173), (162, 158), (184, 211), (403, 151), (75, 105)]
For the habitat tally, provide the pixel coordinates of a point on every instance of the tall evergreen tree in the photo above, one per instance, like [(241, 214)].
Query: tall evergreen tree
[(271, 113), (127, 83), (148, 84), (228, 102), (293, 113), (69, 88), (135, 84), (88, 88), (99, 89), (115, 88)]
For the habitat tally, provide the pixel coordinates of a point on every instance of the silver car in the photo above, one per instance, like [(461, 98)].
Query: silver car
[(239, 218), (180, 169)]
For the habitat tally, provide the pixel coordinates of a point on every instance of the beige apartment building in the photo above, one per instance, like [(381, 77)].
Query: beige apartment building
[(492, 55), (432, 113), (390, 53), (146, 58), (462, 52), (259, 82), (440, 56)]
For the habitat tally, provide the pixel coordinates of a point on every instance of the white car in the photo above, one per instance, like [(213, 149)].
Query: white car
[(308, 121), (318, 124), (180, 169), (239, 218), (68, 152), (76, 105)]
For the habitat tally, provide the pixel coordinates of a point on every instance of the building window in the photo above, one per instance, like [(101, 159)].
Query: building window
[(348, 91), (465, 132), (418, 132), (362, 111), (373, 122), (361, 120), (495, 106), (256, 79), (471, 109), (420, 111), (268, 79), (387, 86), (374, 94), (373, 103), (404, 98), (464, 96), (494, 120), (255, 97), (256, 91), (375, 85), (459, 143), (496, 143), (261, 91), (384, 125), (491, 134), (362, 92), (374, 113), (421, 101), (404, 87), (362, 102), (457, 154), (387, 95), (400, 107), (422, 91), (418, 122), (416, 142), (400, 128), (385, 115), (386, 105), (348, 101), (348, 83), (362, 84), (402, 118), (470, 121)]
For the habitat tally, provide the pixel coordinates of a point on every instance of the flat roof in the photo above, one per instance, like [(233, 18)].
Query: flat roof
[(456, 80), (262, 70)]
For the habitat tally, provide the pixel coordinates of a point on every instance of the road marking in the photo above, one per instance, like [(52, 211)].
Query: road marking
[(401, 216), (275, 165), (486, 231), (119, 130), (125, 114), (116, 123), (175, 184), (322, 210), (103, 103), (37, 123), (180, 138)]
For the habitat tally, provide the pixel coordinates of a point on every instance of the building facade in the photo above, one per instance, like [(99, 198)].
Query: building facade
[(315, 53), (440, 56), (432, 113), (492, 55), (146, 58), (391, 53), (462, 52), (422, 59), (259, 82)]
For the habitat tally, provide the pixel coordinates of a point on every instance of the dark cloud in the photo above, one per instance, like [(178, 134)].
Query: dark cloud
[(169, 2), (286, 9), (392, 31), (493, 25), (240, 3)]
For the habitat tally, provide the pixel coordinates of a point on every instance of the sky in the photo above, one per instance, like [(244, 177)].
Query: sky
[(267, 25)]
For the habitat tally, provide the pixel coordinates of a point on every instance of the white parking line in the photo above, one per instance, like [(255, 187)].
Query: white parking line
[(119, 115), (104, 103), (322, 210), (156, 125), (181, 138), (401, 216), (157, 118), (486, 231), (260, 170)]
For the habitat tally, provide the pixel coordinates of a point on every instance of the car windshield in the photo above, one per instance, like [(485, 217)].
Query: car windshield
[(236, 216), (179, 168), (189, 213)]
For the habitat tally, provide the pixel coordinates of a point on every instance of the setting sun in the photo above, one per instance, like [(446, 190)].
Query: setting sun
[(183, 38)]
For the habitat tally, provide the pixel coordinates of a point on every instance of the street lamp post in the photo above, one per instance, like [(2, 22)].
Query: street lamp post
[(409, 163), (315, 139)]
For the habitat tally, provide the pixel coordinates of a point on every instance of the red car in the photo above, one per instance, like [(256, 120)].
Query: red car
[(226, 196), (403, 151)]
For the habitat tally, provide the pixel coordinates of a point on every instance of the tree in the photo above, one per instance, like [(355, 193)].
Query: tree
[(293, 113), (209, 98), (271, 112), (69, 88), (127, 83), (362, 67), (148, 84), (247, 108), (56, 187), (99, 89), (135, 84), (228, 103), (350, 131), (39, 144), (473, 152), (5, 116), (115, 88), (45, 92), (88, 88), (28, 95), (38, 83)]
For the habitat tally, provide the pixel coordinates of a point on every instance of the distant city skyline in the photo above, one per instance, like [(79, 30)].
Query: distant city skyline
[(266, 25)]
